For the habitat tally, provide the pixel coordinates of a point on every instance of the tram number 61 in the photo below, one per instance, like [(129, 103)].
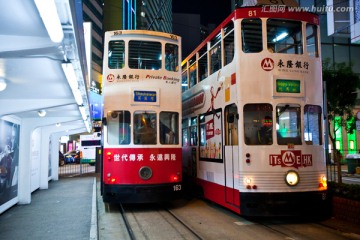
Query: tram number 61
[(177, 187)]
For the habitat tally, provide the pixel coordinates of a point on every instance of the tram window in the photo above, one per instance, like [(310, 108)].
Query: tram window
[(231, 125), (215, 40), (116, 54), (229, 47), (258, 124), (193, 132), (312, 40), (171, 57), (203, 63), (145, 127), (118, 127), (215, 58), (284, 36), (288, 124), (251, 35), (169, 127), (185, 132), (192, 74), (184, 81), (144, 55), (312, 125)]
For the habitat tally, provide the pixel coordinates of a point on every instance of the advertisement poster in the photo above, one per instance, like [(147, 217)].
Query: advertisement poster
[(210, 137), (9, 160)]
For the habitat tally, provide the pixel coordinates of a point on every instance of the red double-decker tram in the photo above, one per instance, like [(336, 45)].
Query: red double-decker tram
[(142, 113)]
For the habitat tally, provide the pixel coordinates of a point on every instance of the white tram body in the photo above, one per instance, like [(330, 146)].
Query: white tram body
[(142, 114), (252, 114)]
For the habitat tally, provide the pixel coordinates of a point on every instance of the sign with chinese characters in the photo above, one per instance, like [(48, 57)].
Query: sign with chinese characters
[(291, 158), (285, 65), (144, 96), (126, 77), (123, 164), (285, 86), (288, 86), (145, 155), (293, 66)]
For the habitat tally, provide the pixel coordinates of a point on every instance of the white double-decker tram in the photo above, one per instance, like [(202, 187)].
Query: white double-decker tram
[(252, 114), (142, 113)]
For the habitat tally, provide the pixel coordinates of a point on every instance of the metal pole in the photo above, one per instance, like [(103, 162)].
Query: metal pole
[(326, 133)]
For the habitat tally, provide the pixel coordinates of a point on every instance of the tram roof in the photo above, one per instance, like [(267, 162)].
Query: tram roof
[(144, 32), (264, 11)]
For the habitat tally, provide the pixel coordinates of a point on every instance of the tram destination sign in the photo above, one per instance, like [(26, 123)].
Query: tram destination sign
[(144, 96), (288, 86)]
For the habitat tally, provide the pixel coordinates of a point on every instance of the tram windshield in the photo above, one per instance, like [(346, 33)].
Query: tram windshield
[(288, 124), (258, 124), (118, 123)]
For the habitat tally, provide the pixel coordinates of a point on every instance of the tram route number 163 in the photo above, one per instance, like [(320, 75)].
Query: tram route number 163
[(177, 187)]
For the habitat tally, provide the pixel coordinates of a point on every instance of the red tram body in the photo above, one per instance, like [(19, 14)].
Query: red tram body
[(142, 112)]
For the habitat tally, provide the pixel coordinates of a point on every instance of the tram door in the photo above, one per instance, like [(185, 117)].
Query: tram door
[(231, 152)]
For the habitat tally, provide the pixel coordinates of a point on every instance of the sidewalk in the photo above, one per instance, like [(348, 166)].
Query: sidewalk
[(64, 211)]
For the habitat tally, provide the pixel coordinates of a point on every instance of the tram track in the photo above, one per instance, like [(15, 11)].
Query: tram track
[(197, 219), (155, 222)]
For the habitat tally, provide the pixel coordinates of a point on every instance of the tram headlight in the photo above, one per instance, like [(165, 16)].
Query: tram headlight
[(247, 182), (323, 182), (292, 178), (145, 173)]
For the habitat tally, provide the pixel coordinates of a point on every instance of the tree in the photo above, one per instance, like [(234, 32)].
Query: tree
[(342, 85)]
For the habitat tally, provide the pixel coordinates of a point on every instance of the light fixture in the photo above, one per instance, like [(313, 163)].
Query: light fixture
[(50, 17), (78, 97), (3, 84), (58, 125), (42, 113), (292, 178), (83, 112), (280, 37), (70, 75)]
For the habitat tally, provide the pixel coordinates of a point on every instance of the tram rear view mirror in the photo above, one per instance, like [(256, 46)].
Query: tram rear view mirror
[(104, 121), (230, 118)]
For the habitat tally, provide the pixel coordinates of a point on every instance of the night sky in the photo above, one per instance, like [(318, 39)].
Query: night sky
[(211, 11)]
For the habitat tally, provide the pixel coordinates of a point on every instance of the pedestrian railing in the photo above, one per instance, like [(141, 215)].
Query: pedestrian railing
[(73, 169)]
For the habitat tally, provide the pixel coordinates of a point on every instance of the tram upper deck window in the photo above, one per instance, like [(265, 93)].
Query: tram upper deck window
[(184, 81), (116, 54), (193, 131), (203, 63), (118, 127), (258, 124), (215, 58), (185, 132), (215, 53), (145, 55), (312, 40), (288, 124), (284, 36), (171, 57), (312, 125), (251, 35), (229, 43), (193, 71)]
